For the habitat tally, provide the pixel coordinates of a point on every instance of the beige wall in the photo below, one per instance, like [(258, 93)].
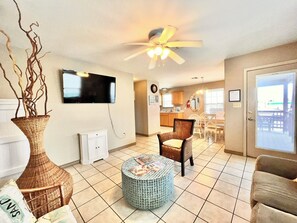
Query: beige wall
[(147, 115), (192, 89), (234, 79), (141, 109), (67, 120)]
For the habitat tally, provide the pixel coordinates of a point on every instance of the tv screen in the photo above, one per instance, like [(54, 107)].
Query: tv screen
[(82, 87)]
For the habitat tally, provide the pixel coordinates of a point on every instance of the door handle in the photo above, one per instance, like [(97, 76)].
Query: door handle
[(251, 119)]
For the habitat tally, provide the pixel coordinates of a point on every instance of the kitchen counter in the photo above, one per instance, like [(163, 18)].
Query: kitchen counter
[(171, 111)]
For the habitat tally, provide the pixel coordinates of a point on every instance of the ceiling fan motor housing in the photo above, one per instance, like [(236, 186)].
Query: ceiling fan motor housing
[(155, 33)]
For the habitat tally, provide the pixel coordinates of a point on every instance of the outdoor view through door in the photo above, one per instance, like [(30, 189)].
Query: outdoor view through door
[(275, 112)]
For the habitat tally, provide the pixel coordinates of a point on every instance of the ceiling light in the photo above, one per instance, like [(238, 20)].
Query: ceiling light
[(151, 53), (203, 88), (158, 50), (165, 53)]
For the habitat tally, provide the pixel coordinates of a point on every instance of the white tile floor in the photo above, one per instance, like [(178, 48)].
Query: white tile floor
[(215, 189)]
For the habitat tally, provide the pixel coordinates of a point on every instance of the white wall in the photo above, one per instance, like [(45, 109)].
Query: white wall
[(67, 120)]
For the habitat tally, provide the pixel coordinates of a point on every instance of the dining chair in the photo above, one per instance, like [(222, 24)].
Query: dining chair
[(199, 124), (210, 126)]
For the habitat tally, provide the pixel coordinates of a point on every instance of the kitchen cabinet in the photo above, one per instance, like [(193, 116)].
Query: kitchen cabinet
[(177, 98), (166, 119), (93, 146)]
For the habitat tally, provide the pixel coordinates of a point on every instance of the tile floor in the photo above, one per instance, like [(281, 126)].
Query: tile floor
[(215, 189)]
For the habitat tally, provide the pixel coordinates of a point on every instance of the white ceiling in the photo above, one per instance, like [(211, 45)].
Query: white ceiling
[(95, 31)]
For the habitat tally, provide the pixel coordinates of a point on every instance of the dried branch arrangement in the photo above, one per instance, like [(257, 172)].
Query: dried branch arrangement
[(31, 86)]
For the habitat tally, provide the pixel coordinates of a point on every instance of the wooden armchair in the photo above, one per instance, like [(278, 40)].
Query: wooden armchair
[(177, 145), (44, 200)]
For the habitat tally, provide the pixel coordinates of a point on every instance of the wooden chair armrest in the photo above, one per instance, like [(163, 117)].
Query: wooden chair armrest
[(166, 136), (189, 138), (44, 199), (186, 143)]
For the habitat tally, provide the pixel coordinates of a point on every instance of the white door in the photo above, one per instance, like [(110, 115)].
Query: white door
[(93, 149), (102, 148), (271, 111)]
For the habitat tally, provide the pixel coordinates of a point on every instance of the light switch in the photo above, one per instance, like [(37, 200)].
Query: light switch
[(236, 104)]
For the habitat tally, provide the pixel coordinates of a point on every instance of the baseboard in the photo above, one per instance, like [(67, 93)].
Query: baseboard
[(112, 150), (233, 152), (122, 147), (70, 164)]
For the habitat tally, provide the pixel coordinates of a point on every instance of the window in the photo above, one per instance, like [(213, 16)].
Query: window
[(167, 101), (214, 101)]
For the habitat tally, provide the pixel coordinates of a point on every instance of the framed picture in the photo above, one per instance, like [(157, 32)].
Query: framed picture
[(153, 99), (234, 95)]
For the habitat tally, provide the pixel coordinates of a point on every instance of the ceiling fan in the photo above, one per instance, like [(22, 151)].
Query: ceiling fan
[(158, 46)]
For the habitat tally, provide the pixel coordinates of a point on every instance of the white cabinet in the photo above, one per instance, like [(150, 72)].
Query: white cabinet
[(93, 146)]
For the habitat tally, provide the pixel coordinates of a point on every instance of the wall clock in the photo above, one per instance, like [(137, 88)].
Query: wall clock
[(154, 88)]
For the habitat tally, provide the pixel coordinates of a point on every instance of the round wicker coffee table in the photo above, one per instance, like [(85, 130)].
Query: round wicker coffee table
[(151, 190)]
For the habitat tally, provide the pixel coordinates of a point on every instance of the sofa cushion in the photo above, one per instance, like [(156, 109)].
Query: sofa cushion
[(60, 215), (263, 214), (176, 143), (274, 191), (13, 207)]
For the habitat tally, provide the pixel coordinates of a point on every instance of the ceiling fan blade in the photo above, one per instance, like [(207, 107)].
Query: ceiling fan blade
[(138, 44), (167, 33), (197, 43), (136, 54), (153, 62), (178, 59)]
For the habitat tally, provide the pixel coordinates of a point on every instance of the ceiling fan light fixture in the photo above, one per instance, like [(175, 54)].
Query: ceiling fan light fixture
[(158, 50), (165, 53), (151, 53), (159, 46)]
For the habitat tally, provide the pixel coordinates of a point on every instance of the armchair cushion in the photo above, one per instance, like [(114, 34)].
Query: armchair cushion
[(176, 143), (60, 215), (13, 206), (263, 214), (274, 191)]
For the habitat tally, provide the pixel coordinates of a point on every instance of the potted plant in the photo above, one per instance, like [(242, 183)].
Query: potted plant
[(30, 90)]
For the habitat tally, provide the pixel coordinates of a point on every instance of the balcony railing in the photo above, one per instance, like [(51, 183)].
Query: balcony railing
[(275, 121)]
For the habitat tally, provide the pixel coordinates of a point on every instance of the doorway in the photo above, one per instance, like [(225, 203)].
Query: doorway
[(271, 99)]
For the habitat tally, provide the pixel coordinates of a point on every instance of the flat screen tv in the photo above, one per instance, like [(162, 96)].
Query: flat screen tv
[(82, 87)]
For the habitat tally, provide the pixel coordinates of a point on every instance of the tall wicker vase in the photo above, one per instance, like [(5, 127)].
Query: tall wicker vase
[(40, 170)]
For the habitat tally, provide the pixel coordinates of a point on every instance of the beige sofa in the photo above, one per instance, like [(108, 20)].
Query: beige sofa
[(274, 193)]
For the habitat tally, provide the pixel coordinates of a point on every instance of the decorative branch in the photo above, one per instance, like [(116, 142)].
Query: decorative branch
[(16, 70), (33, 75)]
